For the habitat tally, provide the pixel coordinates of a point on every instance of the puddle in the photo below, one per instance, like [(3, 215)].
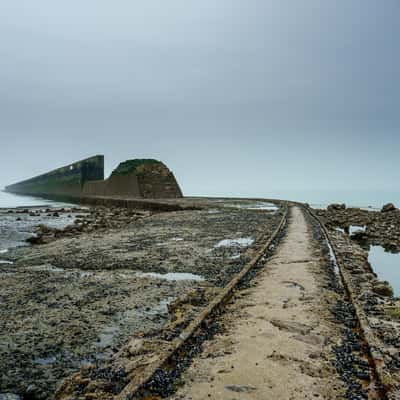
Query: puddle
[(172, 276), (355, 228), (4, 251), (176, 239), (235, 257), (261, 206), (160, 308), (294, 285), (387, 266), (87, 274), (45, 361), (46, 267), (110, 333), (333, 258), (242, 242), (9, 396), (107, 335)]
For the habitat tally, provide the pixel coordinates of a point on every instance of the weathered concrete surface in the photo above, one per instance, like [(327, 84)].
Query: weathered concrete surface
[(137, 178), (275, 342)]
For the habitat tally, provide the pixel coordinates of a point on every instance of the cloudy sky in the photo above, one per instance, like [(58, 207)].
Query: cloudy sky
[(237, 97)]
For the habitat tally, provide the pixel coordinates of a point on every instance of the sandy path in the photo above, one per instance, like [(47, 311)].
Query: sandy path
[(275, 342)]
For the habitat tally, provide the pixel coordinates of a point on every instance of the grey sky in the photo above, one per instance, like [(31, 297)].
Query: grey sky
[(245, 97)]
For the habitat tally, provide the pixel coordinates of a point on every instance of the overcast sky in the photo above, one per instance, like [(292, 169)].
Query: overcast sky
[(244, 97)]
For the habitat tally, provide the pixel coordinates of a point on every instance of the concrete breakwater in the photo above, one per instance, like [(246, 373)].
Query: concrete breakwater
[(65, 181), (138, 178)]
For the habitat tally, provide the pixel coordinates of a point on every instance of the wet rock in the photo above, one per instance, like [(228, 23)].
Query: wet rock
[(388, 207), (359, 235), (382, 288), (336, 207), (9, 396)]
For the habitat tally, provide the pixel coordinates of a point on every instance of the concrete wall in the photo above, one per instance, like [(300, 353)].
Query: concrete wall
[(119, 185), (150, 180), (138, 178), (64, 181)]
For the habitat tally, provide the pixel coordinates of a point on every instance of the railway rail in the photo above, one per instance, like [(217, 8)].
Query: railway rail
[(158, 381), (182, 348), (375, 358)]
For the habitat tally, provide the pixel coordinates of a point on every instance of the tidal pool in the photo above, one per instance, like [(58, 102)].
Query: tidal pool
[(172, 276), (355, 228), (241, 242), (387, 266)]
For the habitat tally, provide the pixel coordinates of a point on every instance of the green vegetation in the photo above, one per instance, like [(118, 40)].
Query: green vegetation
[(129, 166), (393, 312)]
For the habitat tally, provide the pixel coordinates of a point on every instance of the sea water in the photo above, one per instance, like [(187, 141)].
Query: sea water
[(15, 228)]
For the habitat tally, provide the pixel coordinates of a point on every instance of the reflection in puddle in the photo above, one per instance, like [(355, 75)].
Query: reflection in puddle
[(6, 262), (386, 266), (242, 242), (172, 276)]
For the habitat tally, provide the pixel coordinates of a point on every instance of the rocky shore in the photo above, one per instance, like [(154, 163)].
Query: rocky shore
[(376, 302), (76, 295), (377, 227), (373, 297)]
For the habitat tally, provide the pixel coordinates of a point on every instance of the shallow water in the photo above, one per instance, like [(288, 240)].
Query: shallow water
[(241, 242), (45, 361), (387, 266), (259, 206), (355, 228), (10, 200), (172, 276), (16, 228)]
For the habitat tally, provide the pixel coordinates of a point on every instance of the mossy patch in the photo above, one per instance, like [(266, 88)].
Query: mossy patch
[(129, 166), (393, 312)]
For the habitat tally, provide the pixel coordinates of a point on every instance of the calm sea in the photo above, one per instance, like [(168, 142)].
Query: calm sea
[(16, 228), (8, 200), (357, 198)]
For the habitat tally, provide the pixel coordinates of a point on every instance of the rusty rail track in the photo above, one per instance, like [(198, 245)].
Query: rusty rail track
[(376, 359), (135, 390)]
